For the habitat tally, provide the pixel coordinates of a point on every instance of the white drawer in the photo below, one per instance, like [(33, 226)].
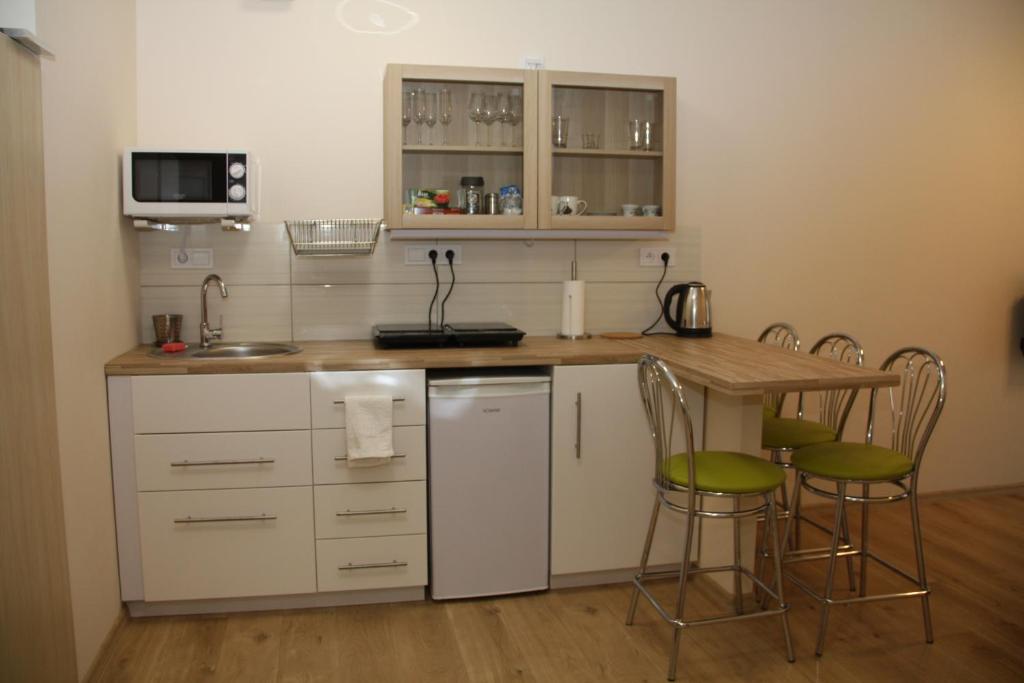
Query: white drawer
[(220, 403), (355, 510), (328, 387), (187, 559), (367, 563), (330, 444), (226, 460)]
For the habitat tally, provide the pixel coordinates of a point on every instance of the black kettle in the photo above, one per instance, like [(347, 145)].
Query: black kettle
[(687, 309)]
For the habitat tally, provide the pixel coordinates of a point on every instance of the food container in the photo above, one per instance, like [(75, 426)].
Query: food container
[(471, 194), (491, 205)]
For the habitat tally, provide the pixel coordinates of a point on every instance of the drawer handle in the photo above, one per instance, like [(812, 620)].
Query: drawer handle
[(381, 511), (345, 457), (207, 463), (245, 518), (395, 399), (373, 565)]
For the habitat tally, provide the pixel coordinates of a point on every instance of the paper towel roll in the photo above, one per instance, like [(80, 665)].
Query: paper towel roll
[(573, 302)]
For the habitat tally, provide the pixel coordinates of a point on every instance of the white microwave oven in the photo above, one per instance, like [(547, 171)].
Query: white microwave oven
[(186, 183)]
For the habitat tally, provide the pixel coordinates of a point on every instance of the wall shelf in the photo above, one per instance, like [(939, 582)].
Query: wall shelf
[(461, 149), (623, 153)]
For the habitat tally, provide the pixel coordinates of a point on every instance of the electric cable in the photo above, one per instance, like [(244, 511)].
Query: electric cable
[(437, 289), (450, 255), (657, 295)]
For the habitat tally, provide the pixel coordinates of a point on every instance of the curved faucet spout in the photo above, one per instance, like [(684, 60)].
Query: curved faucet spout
[(205, 333)]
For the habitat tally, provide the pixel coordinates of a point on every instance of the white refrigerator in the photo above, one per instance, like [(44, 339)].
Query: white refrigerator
[(489, 480)]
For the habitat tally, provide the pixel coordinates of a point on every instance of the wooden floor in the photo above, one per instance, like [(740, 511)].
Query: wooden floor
[(975, 553)]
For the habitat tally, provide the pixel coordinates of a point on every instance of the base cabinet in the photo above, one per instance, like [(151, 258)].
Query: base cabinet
[(602, 464)]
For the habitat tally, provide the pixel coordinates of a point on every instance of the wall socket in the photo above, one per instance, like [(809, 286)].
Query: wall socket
[(533, 62), (418, 254), (651, 256), (191, 258)]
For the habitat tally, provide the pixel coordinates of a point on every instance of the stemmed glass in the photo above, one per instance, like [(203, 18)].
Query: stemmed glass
[(476, 112), (420, 114), (430, 118), (444, 114), (408, 111), (501, 109), (490, 114), (514, 114)]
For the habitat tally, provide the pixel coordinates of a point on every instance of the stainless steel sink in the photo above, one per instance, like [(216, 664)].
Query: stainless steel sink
[(234, 350)]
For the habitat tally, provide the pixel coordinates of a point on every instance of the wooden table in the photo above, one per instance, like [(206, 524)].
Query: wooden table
[(724, 376)]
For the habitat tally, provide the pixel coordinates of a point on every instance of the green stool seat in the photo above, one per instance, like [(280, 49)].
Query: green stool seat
[(790, 433), (852, 462), (726, 472)]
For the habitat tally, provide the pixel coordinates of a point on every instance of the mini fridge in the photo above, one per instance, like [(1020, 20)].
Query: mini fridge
[(489, 460)]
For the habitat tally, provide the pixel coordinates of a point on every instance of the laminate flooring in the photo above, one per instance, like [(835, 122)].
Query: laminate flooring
[(975, 554)]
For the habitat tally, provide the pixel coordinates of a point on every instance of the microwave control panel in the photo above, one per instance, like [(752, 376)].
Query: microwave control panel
[(237, 178)]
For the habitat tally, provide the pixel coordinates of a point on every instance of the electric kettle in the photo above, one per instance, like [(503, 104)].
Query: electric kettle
[(687, 309)]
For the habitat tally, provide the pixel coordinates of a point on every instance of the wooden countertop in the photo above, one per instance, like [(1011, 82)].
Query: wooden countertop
[(729, 364)]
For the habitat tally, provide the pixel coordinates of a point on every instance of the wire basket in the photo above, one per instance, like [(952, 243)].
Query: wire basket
[(334, 237)]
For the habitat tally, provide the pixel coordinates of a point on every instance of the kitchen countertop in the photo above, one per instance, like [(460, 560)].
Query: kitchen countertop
[(733, 365)]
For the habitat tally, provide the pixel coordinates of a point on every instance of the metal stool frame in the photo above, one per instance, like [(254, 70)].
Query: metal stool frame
[(656, 381), (784, 336), (915, 406)]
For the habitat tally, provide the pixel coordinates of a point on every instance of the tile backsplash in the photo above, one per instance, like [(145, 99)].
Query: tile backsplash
[(277, 296)]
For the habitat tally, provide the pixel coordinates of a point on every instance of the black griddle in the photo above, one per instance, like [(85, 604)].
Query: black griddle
[(420, 335)]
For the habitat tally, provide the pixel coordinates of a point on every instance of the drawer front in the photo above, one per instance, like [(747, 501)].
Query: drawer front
[(368, 563), (187, 559), (330, 444), (176, 462), (220, 403), (355, 510), (328, 387)]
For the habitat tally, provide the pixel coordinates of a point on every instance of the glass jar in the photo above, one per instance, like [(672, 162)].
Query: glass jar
[(471, 194)]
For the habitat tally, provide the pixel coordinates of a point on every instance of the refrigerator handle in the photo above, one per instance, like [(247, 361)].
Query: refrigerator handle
[(579, 424)]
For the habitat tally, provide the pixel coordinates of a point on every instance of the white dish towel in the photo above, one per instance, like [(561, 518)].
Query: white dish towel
[(368, 430)]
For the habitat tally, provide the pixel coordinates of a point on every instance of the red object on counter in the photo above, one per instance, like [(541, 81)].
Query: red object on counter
[(174, 347)]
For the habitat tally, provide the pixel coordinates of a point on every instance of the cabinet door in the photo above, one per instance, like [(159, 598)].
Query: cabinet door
[(417, 156), (627, 182), (601, 494)]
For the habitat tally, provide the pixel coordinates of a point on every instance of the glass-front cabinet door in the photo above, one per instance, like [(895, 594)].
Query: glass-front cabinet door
[(460, 147), (606, 152)]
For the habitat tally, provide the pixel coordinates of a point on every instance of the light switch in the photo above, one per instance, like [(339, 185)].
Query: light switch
[(191, 258)]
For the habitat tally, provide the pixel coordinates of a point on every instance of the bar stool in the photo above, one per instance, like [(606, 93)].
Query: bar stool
[(784, 336), (723, 474), (914, 408)]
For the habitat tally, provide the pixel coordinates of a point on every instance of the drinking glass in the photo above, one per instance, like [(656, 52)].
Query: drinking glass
[(490, 113), (560, 130), (430, 118), (444, 113), (501, 108), (476, 112), (420, 114), (635, 133), (408, 111), (515, 113)]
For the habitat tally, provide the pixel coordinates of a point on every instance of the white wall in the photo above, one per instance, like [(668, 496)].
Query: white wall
[(850, 165), (88, 117)]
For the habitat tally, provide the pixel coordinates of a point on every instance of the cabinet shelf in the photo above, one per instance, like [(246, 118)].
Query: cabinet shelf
[(624, 153), (461, 149)]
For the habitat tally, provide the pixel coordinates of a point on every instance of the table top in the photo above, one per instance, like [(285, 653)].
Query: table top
[(723, 362)]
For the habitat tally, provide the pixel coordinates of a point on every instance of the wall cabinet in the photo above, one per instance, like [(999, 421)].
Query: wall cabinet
[(599, 162), (602, 464)]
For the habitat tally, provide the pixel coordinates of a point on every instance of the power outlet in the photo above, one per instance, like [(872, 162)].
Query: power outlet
[(419, 254), (191, 258), (533, 62), (651, 256)]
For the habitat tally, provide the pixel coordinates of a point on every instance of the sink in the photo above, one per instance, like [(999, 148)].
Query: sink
[(234, 350)]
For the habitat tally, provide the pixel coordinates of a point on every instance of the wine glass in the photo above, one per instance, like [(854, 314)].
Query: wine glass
[(476, 112), (501, 115), (515, 113), (430, 118), (489, 113), (420, 114), (444, 113), (408, 110)]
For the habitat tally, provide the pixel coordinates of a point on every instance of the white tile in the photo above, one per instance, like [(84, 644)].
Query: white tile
[(258, 257), (251, 312), (619, 261), (622, 306), (349, 311)]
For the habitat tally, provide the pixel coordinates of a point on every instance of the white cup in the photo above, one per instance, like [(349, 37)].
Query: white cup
[(630, 209), (567, 205), (651, 209)]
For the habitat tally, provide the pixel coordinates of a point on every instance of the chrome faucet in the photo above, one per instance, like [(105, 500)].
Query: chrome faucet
[(205, 333)]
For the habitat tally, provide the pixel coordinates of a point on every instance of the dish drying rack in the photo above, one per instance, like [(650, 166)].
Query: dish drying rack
[(334, 236)]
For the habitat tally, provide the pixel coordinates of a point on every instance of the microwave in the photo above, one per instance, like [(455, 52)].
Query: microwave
[(185, 183)]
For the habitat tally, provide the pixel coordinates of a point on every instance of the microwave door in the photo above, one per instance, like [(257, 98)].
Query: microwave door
[(180, 183)]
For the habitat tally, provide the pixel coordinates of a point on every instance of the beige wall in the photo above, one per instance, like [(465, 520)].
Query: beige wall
[(88, 116), (850, 165)]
